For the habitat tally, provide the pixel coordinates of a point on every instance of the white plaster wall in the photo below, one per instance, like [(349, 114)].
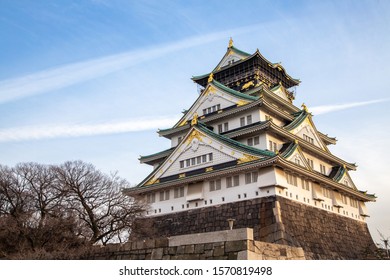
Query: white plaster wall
[(306, 128), (267, 176), (263, 141), (214, 99), (275, 119), (225, 195), (269, 137), (175, 139), (317, 162), (219, 156), (234, 122)]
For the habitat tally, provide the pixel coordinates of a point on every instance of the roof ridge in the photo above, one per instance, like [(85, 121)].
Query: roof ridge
[(240, 51)]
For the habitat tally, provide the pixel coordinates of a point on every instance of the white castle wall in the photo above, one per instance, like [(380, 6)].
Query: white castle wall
[(271, 181)]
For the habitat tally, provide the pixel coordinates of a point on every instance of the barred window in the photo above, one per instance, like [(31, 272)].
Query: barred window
[(178, 192), (215, 185), (232, 181), (196, 160)]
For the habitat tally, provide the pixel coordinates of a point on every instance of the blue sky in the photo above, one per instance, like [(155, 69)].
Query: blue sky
[(93, 80)]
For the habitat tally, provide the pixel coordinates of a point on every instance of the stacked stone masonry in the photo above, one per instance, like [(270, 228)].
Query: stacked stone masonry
[(226, 245), (275, 220)]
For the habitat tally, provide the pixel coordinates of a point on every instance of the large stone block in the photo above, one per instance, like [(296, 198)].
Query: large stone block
[(236, 246), (157, 254)]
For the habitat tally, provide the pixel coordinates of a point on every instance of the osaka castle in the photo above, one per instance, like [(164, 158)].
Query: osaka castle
[(244, 151)]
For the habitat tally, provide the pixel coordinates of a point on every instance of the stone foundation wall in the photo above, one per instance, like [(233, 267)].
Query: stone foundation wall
[(222, 245), (321, 234)]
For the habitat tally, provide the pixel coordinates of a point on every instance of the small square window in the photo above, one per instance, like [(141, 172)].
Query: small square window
[(220, 128), (242, 121), (249, 119)]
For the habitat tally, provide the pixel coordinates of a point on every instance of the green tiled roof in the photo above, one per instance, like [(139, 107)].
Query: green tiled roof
[(240, 51), (168, 151), (227, 141), (234, 92), (337, 173), (299, 118), (287, 149), (235, 144)]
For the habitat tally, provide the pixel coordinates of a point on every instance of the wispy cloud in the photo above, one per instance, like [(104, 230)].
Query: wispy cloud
[(319, 110), (70, 74), (28, 133)]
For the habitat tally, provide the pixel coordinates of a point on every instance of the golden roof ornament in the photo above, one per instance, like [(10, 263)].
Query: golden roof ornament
[(194, 119), (304, 107), (230, 42), (211, 77)]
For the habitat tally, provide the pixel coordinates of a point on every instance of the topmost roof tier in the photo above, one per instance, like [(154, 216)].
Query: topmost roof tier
[(240, 70)]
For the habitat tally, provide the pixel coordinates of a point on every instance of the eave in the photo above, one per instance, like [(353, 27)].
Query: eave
[(209, 173), (288, 81), (327, 139), (301, 117), (250, 152), (201, 175), (230, 111), (156, 157), (286, 134), (168, 133), (324, 180), (269, 93), (310, 147), (226, 90)]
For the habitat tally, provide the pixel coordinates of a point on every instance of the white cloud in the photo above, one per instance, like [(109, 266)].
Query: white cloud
[(319, 110), (58, 131), (70, 74)]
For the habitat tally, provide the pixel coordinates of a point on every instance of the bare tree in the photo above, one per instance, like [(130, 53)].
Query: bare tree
[(385, 244), (46, 209), (31, 213), (104, 212)]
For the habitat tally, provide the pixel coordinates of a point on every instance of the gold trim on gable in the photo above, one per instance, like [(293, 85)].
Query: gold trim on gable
[(247, 158), (241, 102), (195, 134), (183, 123), (152, 181)]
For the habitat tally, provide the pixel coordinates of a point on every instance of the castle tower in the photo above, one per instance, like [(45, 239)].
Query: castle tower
[(244, 151)]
